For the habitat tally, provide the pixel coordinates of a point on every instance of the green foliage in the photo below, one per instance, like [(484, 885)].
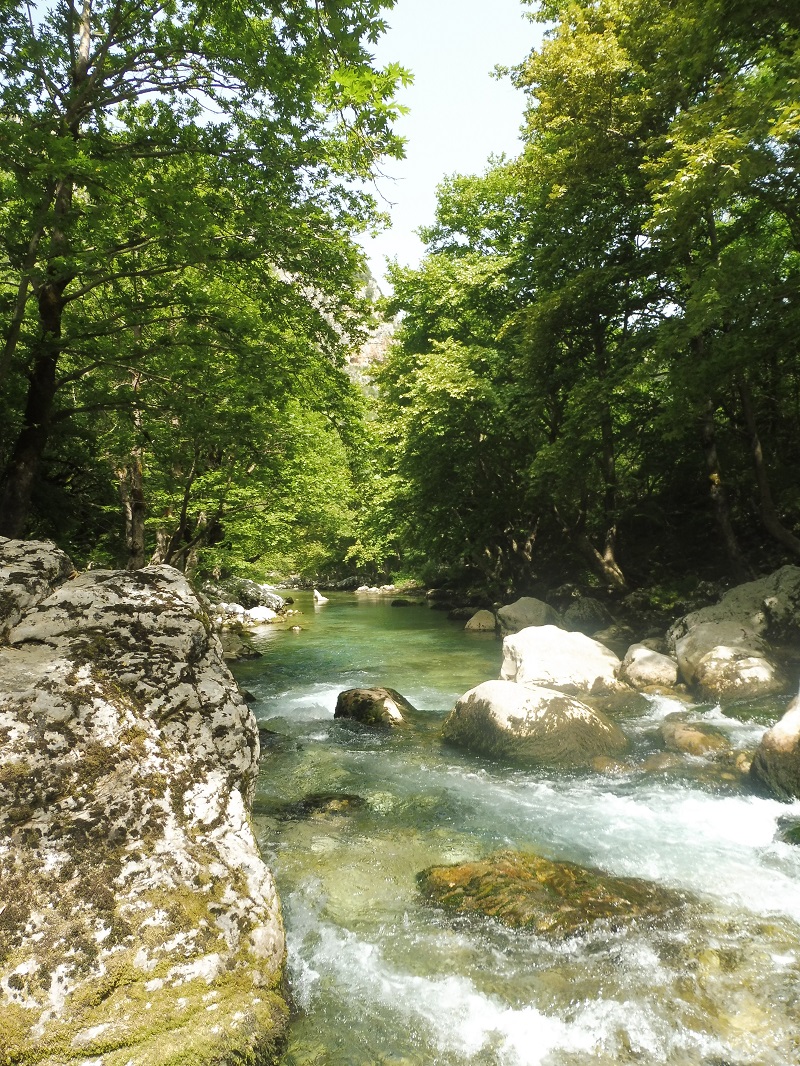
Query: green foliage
[(603, 330), (178, 282)]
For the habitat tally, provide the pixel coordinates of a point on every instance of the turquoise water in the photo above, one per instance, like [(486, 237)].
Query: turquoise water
[(380, 976)]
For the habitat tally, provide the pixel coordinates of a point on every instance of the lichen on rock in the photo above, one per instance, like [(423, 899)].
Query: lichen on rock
[(139, 925)]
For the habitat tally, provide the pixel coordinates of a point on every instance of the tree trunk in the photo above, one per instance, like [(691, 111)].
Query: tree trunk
[(19, 477), (719, 498), (603, 564), (769, 515), (131, 491)]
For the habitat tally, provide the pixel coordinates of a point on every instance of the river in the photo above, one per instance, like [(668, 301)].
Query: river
[(379, 976)]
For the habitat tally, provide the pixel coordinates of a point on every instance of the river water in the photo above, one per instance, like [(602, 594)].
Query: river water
[(379, 976)]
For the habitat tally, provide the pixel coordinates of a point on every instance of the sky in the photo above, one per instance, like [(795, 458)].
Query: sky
[(459, 114)]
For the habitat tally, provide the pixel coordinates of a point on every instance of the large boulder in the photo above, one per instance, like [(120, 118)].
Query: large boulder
[(725, 659), (776, 763), (571, 662), (525, 612), (726, 650), (643, 669), (587, 615), (531, 726), (373, 706), (554, 899), (767, 607), (139, 923)]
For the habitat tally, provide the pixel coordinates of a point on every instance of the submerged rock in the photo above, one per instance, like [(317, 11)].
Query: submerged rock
[(548, 657), (139, 924), (373, 706), (693, 738), (532, 726), (554, 899), (321, 805)]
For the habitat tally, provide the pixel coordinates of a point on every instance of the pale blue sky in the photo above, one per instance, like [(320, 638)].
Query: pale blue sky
[(459, 114)]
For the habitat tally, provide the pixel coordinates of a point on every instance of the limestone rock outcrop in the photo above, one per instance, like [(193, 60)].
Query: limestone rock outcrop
[(531, 726), (29, 571), (139, 923), (549, 657)]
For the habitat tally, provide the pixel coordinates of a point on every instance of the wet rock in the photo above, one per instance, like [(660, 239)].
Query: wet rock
[(129, 870), (692, 738), (524, 612), (776, 763), (481, 622), (237, 645), (644, 669), (571, 662), (373, 706), (554, 899), (789, 830), (531, 726), (322, 804)]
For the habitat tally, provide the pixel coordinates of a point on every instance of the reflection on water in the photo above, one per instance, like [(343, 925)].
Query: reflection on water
[(379, 976)]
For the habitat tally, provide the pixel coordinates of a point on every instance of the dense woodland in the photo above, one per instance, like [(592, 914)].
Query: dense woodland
[(596, 371)]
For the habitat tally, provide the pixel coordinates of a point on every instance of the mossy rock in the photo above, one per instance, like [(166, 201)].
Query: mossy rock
[(373, 706), (554, 899)]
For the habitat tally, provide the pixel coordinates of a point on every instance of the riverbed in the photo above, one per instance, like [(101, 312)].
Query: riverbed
[(347, 817)]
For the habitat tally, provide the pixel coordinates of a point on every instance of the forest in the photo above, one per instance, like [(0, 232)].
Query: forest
[(595, 371)]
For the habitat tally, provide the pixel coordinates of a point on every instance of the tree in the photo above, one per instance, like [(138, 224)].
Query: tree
[(142, 141)]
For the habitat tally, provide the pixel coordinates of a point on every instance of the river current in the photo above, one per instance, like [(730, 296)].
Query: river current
[(346, 817)]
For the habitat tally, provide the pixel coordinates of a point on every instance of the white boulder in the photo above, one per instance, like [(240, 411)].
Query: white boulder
[(533, 726), (643, 668), (549, 657)]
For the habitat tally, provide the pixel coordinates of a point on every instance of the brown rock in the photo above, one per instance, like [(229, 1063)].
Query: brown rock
[(556, 899)]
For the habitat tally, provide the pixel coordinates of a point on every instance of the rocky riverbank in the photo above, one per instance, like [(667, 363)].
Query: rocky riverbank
[(138, 923)]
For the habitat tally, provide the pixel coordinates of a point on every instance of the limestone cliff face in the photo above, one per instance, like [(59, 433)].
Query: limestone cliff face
[(138, 923)]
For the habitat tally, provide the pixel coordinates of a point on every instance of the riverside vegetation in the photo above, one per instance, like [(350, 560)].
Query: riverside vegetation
[(593, 386)]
